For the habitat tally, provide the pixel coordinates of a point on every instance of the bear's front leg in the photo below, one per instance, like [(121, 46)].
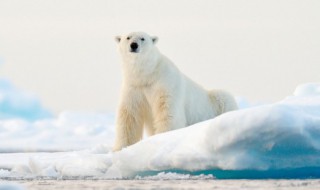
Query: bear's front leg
[(129, 122)]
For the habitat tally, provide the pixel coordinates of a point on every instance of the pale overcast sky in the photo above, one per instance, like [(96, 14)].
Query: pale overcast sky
[(64, 50)]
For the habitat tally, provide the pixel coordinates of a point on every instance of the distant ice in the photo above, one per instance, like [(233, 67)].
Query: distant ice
[(16, 103), (309, 89), (279, 140), (68, 131)]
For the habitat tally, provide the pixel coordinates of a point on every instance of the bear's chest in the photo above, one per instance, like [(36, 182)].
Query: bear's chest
[(150, 93)]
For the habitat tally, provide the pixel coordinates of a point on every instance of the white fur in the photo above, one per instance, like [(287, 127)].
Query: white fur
[(157, 97)]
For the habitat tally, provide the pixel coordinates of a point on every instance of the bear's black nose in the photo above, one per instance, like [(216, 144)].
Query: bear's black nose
[(134, 46)]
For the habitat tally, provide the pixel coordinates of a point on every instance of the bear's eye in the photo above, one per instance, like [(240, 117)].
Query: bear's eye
[(142, 39), (128, 38)]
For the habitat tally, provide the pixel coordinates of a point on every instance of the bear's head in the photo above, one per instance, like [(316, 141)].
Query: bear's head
[(135, 44)]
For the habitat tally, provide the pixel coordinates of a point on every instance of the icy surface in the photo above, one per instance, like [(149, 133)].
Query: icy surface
[(279, 140), (172, 184), (10, 186)]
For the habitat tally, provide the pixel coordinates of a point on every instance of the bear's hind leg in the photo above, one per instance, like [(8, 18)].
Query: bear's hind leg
[(222, 101)]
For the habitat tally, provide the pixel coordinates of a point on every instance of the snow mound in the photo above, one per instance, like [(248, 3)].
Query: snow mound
[(280, 140), (281, 136)]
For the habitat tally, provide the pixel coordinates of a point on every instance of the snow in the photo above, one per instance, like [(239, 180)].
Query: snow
[(279, 140)]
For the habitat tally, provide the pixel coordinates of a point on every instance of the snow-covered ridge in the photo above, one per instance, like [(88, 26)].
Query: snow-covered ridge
[(269, 141)]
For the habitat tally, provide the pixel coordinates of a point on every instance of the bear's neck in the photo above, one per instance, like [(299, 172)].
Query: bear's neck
[(142, 71)]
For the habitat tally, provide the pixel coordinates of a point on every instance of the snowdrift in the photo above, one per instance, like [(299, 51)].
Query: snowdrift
[(280, 140)]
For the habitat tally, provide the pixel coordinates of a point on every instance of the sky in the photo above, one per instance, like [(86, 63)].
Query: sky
[(65, 53)]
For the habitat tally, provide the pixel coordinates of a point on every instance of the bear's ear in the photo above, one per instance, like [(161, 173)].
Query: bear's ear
[(154, 39), (117, 39)]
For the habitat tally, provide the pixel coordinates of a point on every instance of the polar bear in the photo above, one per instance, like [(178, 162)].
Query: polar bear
[(156, 96)]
